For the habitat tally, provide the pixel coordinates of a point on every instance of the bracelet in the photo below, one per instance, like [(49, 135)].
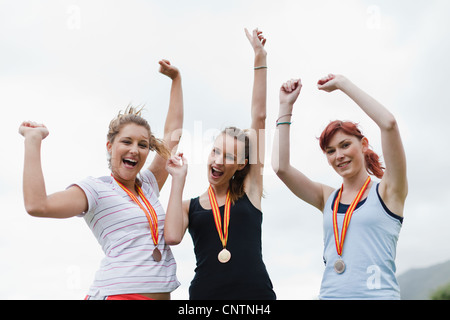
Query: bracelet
[(278, 123), (261, 67), (284, 115)]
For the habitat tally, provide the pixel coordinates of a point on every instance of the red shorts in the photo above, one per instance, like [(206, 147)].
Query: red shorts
[(133, 296)]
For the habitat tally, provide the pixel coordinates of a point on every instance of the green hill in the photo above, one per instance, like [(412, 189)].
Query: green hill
[(419, 284)]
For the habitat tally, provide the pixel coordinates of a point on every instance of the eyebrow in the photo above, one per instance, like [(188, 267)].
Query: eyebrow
[(142, 139)]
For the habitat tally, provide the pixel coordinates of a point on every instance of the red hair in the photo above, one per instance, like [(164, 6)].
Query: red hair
[(373, 164)]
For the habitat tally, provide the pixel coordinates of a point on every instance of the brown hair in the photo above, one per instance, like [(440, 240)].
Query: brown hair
[(373, 163), (237, 182), (133, 115)]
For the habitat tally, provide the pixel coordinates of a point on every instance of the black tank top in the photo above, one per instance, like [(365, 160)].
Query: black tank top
[(245, 276)]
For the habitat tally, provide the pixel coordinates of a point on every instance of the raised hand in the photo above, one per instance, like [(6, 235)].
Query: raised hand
[(28, 128), (177, 166), (257, 40), (290, 91), (330, 82), (168, 70)]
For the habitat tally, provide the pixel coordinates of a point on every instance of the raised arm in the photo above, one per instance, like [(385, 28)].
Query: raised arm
[(393, 186), (177, 213), (254, 183), (64, 204), (309, 191), (174, 121)]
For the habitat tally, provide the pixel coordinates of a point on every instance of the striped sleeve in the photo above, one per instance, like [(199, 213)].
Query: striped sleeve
[(148, 178), (88, 186)]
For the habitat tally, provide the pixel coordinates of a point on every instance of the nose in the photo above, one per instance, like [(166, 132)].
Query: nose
[(339, 154), (134, 149), (218, 160)]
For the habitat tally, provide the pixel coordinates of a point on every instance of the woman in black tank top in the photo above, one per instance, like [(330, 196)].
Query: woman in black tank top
[(235, 182), (245, 276)]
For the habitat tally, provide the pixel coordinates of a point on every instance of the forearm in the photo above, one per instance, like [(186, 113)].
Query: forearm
[(34, 191), (259, 94), (375, 110), (258, 124), (174, 226), (394, 178), (174, 120), (281, 143)]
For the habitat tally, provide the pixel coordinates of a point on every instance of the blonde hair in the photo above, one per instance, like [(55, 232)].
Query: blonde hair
[(133, 115)]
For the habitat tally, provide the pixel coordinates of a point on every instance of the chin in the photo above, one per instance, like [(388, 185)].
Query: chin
[(341, 173), (127, 175), (216, 181)]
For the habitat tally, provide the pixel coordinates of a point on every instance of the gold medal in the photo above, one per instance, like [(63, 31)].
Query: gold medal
[(224, 255)]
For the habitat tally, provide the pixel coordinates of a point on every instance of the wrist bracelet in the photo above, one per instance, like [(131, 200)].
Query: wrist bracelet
[(284, 115), (261, 67), (279, 123)]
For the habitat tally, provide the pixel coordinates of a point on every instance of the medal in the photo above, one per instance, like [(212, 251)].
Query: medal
[(224, 255), (152, 217), (339, 265), (156, 255)]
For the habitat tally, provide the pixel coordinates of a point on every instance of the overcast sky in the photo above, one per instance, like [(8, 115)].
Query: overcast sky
[(74, 64)]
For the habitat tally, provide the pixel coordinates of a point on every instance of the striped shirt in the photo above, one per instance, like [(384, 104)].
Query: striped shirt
[(123, 231)]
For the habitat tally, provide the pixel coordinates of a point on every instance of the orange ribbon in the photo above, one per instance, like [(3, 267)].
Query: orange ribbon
[(152, 217), (217, 220), (347, 218)]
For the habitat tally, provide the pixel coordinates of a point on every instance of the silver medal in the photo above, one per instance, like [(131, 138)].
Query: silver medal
[(339, 266)]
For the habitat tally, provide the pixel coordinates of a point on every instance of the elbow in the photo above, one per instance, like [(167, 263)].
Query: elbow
[(172, 240), (172, 136), (390, 124), (280, 169), (275, 167), (35, 210), (281, 173), (260, 116)]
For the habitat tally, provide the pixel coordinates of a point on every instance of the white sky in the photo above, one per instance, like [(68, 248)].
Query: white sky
[(74, 64)]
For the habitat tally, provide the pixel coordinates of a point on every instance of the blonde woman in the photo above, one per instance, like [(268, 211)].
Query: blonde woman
[(122, 210)]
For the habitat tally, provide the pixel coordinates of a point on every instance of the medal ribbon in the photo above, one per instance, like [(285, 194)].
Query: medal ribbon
[(216, 213), (347, 218), (152, 217)]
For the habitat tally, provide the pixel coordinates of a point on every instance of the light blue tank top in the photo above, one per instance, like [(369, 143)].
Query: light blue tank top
[(369, 251)]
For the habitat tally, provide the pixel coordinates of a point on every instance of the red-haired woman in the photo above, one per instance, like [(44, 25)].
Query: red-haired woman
[(362, 219)]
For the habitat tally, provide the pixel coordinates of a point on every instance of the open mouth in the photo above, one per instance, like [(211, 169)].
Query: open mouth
[(216, 173), (344, 164), (129, 163)]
